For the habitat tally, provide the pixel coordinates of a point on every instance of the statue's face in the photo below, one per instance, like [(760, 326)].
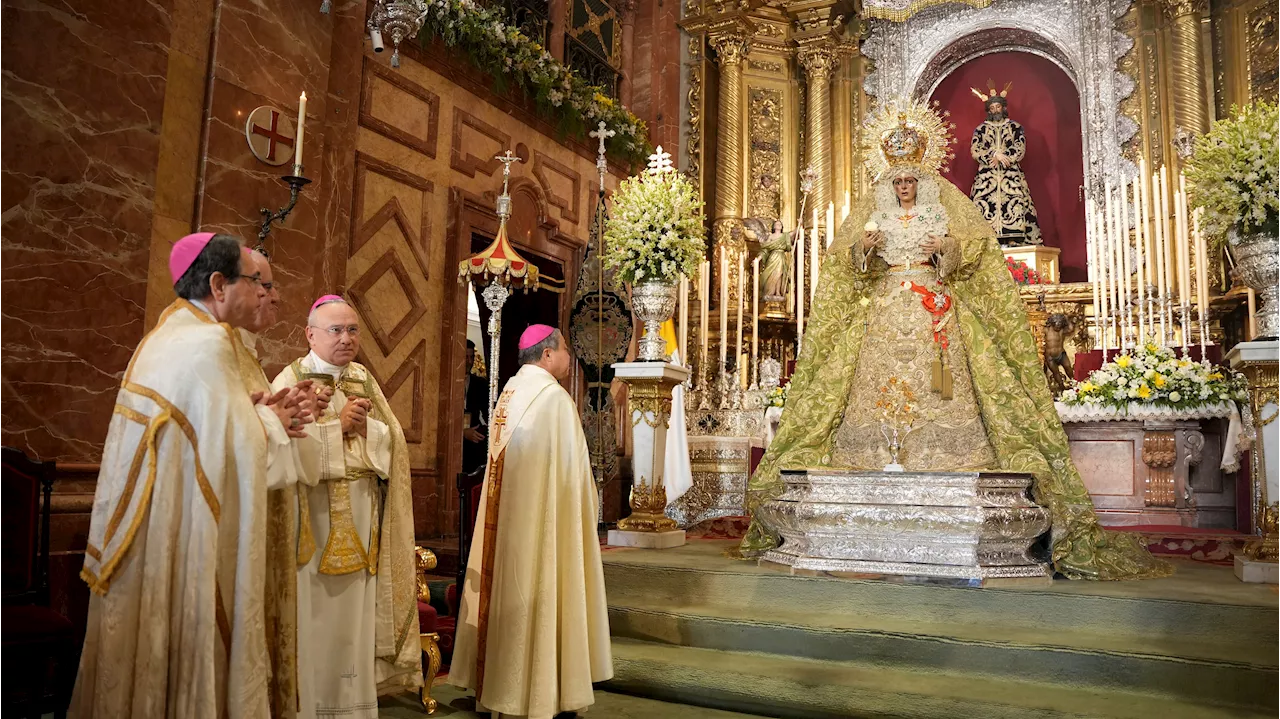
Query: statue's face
[(997, 110), (777, 225), (905, 188)]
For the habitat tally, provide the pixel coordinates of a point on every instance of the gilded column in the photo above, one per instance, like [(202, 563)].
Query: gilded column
[(818, 62), (1190, 105), (731, 48)]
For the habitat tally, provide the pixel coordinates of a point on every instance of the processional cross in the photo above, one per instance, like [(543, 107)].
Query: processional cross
[(602, 133)]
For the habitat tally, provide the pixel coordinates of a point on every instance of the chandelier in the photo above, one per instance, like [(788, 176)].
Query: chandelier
[(394, 19)]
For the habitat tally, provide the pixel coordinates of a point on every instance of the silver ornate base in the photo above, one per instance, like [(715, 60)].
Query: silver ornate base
[(959, 525)]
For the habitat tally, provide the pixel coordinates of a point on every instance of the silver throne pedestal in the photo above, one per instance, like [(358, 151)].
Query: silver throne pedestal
[(975, 526)]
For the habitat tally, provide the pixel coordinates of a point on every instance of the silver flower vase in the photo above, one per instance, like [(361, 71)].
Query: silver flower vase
[(1259, 268), (653, 302)]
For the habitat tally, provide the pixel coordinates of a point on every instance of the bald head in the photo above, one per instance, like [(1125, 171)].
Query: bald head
[(269, 303), (333, 331)]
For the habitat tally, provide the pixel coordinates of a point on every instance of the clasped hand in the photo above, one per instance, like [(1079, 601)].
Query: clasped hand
[(933, 245), (289, 407), (355, 416)]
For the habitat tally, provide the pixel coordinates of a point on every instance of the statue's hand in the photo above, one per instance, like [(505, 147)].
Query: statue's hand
[(872, 240), (933, 245)]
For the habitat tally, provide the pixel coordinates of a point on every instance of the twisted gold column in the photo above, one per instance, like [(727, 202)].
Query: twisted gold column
[(1190, 108), (730, 49), (818, 63)]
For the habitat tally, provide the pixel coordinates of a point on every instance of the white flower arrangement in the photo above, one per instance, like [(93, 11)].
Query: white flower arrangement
[(1154, 375), (777, 396), (1233, 173), (655, 230)]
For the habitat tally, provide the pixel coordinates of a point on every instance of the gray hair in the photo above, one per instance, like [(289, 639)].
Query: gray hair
[(311, 316), (534, 353)]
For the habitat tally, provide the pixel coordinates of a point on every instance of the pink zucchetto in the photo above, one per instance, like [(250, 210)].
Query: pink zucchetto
[(534, 335), (185, 252), (326, 299)]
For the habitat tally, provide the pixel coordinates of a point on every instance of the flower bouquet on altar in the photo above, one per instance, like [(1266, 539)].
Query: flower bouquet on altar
[(1155, 376), (1022, 273), (655, 234), (897, 418), (777, 396)]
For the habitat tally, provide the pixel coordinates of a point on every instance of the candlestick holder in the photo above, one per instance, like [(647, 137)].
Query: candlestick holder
[(295, 182), (1184, 321)]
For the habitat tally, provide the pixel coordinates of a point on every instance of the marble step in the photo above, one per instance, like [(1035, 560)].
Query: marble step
[(804, 688), (1210, 673), (1199, 604)]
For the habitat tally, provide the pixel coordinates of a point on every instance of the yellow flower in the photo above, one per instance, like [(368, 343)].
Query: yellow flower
[(1184, 363), (1151, 347), (1123, 361), (1159, 381), (1087, 387), (603, 100), (1214, 375), (1144, 391)]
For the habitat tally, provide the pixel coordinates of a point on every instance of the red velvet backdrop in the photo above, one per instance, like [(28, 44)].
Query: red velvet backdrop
[(1047, 104)]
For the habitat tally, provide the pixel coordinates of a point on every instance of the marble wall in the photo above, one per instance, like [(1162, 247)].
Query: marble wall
[(134, 137)]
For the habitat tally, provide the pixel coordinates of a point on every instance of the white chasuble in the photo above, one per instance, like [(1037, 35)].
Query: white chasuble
[(534, 628), (357, 591), (287, 465), (175, 555)]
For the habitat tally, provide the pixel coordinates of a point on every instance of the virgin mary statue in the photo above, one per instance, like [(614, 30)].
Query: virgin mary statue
[(915, 289)]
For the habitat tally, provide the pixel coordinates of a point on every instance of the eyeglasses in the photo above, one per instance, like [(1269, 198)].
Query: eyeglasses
[(337, 330)]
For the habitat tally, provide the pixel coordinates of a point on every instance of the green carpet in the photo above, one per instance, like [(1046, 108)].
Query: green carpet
[(690, 625)]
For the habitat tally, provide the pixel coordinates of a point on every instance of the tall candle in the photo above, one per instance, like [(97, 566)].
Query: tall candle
[(1091, 251), (1253, 313), (1157, 245), (302, 126), (831, 224), (1140, 260), (1202, 280), (704, 301), (1113, 270), (798, 287), (1185, 247), (724, 310), (1126, 275), (737, 358), (682, 340), (813, 258), (813, 264), (1166, 241), (1144, 257), (755, 321)]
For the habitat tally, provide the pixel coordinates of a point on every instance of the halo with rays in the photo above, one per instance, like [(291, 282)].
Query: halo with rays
[(931, 127)]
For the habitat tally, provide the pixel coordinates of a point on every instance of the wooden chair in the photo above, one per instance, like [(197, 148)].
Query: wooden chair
[(427, 627), (39, 646)]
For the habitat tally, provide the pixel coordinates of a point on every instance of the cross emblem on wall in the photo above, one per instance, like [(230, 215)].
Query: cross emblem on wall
[(270, 134)]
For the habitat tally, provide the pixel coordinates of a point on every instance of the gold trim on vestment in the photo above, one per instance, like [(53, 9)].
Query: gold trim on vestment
[(486, 562), (206, 489), (130, 482), (375, 526), (306, 538), (99, 584), (131, 414), (92, 551), (343, 551)]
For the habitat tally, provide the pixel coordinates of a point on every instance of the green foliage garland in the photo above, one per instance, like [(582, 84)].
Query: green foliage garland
[(504, 52)]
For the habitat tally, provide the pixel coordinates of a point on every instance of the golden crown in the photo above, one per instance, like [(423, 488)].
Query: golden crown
[(906, 132), (904, 144)]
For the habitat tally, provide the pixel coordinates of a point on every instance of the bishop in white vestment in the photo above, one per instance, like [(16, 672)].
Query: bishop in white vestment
[(357, 592), (534, 628), (175, 551)]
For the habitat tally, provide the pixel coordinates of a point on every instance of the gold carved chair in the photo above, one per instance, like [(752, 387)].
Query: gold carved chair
[(427, 626)]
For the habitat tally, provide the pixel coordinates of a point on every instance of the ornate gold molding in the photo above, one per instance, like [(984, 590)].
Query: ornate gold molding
[(1190, 108), (731, 48), (694, 140)]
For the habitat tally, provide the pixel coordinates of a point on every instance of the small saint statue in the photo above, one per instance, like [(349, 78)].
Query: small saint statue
[(1000, 188)]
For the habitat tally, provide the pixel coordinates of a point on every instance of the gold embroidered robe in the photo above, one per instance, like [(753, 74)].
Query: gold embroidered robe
[(357, 589), (287, 466), (1001, 193), (533, 631), (176, 542), (1013, 397)]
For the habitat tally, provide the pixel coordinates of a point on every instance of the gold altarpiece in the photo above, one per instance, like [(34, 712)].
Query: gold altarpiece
[(777, 86)]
